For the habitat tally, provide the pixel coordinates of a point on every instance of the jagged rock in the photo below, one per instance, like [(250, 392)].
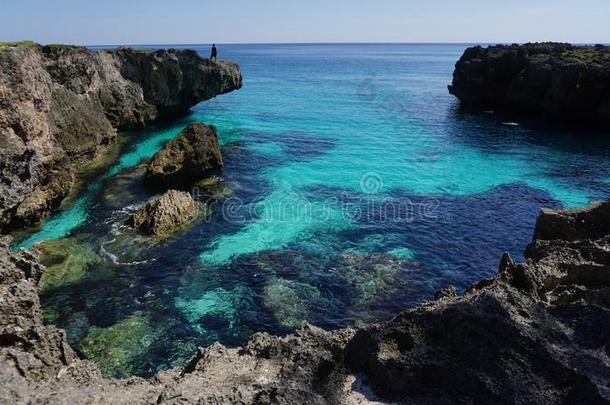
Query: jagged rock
[(545, 80), (61, 105), (448, 292), (191, 156), (538, 332), (526, 319), (581, 223), (506, 263), (167, 214)]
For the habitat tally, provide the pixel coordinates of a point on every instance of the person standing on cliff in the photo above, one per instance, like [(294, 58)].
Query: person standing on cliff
[(214, 54)]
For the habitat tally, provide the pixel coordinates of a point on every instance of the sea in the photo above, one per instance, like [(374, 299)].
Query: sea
[(354, 187)]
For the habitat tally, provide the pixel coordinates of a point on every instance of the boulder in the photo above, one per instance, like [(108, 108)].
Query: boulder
[(191, 156), (167, 214)]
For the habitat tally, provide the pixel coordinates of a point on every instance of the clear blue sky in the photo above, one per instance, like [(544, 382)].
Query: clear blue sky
[(203, 21)]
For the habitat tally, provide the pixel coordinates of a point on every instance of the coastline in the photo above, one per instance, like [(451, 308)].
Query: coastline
[(525, 319)]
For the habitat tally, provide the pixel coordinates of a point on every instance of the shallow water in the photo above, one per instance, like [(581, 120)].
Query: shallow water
[(357, 188)]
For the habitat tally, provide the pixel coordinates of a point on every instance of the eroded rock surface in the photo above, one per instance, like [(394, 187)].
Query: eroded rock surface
[(171, 211), (193, 155), (61, 105), (545, 80), (538, 333)]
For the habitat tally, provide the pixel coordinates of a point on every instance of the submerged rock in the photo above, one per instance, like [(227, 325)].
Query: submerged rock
[(61, 105), (166, 215), (545, 80), (290, 301), (208, 311), (213, 189), (193, 155), (114, 349), (66, 260), (368, 276)]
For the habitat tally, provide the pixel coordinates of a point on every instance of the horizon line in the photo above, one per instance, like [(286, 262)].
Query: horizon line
[(346, 43)]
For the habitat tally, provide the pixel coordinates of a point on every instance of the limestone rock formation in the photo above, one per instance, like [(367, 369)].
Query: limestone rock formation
[(61, 105), (543, 80), (191, 156), (167, 214), (580, 223), (538, 332)]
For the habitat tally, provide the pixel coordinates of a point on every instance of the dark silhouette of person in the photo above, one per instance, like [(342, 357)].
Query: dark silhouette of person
[(214, 54)]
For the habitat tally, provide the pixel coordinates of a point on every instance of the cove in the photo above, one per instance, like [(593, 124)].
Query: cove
[(315, 129)]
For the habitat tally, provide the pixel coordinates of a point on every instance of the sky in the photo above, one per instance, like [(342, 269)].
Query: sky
[(115, 22)]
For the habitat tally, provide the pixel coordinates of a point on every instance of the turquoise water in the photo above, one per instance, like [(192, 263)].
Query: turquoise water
[(358, 188)]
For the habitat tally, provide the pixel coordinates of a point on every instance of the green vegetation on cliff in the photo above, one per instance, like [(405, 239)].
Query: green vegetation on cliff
[(31, 44)]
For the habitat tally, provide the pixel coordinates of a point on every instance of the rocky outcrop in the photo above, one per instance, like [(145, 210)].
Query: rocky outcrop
[(193, 155), (538, 332), (174, 80), (167, 214), (580, 223), (552, 81), (61, 105)]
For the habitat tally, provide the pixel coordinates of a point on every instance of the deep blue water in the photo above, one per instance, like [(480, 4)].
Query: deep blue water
[(358, 188)]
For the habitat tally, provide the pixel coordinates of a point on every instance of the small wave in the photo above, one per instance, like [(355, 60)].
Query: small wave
[(114, 258), (511, 124), (130, 208)]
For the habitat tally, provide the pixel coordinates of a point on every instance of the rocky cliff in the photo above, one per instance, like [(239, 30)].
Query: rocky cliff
[(60, 105), (559, 82), (538, 332)]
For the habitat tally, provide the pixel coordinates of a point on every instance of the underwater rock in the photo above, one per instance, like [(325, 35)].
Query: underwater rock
[(60, 106), (113, 349), (368, 275), (212, 188), (217, 306), (545, 80), (193, 155), (166, 215), (290, 301), (66, 262)]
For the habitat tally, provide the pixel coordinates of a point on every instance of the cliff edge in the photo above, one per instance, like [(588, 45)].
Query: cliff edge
[(60, 105)]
